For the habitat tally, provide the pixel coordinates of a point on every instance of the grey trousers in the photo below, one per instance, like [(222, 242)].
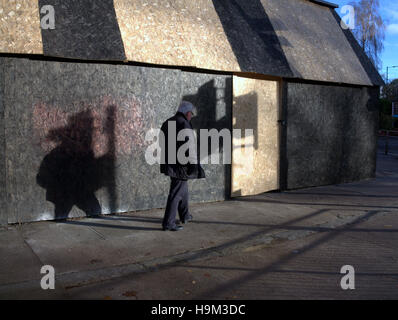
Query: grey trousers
[(176, 201)]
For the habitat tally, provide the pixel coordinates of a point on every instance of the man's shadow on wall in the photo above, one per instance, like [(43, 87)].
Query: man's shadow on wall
[(208, 116), (70, 173)]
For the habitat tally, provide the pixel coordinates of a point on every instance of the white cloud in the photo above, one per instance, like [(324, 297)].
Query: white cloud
[(392, 28), (391, 13), (389, 44)]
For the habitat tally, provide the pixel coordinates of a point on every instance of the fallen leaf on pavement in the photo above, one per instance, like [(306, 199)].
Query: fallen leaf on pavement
[(130, 294)]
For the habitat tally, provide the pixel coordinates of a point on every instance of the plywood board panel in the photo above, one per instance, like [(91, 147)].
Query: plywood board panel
[(172, 32), (255, 159), (87, 131), (85, 29), (3, 201), (331, 134), (314, 42), (20, 27)]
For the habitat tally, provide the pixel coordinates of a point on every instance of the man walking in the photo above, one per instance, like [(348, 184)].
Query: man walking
[(174, 166)]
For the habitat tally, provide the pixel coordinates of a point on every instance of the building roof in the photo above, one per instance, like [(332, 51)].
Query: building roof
[(326, 3), (286, 38)]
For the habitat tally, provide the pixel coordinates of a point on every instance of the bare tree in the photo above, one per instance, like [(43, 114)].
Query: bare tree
[(370, 29), (390, 91)]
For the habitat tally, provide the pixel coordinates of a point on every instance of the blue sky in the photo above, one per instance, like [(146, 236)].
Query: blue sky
[(389, 13)]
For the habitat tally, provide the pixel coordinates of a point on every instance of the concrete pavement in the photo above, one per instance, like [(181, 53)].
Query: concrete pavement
[(94, 251)]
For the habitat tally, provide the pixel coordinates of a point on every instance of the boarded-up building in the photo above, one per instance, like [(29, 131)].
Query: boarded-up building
[(76, 101)]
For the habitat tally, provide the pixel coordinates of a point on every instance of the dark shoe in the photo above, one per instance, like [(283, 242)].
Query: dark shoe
[(188, 219), (175, 228)]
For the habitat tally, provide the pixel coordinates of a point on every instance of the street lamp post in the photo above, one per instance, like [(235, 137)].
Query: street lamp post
[(392, 125)]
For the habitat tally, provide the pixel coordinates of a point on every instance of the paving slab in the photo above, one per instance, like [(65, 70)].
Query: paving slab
[(17, 260)]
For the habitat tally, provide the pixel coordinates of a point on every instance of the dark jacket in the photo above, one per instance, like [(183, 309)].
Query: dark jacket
[(178, 170)]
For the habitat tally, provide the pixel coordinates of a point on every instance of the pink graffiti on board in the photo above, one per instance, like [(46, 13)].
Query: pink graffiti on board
[(110, 124)]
